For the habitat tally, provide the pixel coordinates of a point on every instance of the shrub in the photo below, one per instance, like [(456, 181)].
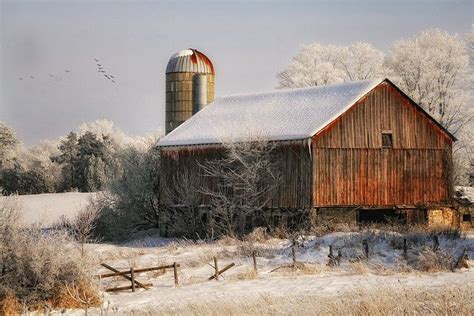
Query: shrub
[(36, 266)]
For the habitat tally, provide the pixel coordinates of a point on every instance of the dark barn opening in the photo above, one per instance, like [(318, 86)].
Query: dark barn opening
[(466, 217), (382, 216)]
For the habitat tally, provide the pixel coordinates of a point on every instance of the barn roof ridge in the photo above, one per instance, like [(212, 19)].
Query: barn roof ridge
[(278, 115)]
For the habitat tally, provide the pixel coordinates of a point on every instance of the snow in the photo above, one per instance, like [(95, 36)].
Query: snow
[(283, 286), (464, 194), (284, 289), (182, 53), (277, 115), (47, 209)]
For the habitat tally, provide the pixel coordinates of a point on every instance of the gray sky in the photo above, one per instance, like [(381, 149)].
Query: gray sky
[(248, 42)]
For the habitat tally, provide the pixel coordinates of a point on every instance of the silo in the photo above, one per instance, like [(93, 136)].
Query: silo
[(189, 86)]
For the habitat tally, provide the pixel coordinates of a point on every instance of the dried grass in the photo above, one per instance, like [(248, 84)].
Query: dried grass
[(428, 260), (10, 305), (80, 296), (301, 268), (250, 274), (259, 235), (360, 301)]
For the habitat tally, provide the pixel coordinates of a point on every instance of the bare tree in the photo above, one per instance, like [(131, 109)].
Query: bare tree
[(82, 227), (244, 181), (183, 198)]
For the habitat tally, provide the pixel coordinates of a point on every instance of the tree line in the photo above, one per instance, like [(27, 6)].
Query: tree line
[(86, 160)]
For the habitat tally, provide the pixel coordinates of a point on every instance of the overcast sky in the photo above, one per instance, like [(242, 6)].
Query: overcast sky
[(248, 42)]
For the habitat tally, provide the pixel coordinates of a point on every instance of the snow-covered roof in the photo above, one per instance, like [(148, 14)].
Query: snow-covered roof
[(277, 115)]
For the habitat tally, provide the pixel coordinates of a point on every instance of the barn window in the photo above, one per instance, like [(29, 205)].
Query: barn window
[(387, 140), (466, 217)]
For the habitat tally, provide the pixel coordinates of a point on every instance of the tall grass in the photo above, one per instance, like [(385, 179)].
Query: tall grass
[(40, 270), (361, 301)]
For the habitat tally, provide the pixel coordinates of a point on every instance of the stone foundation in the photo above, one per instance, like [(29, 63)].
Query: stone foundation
[(443, 217)]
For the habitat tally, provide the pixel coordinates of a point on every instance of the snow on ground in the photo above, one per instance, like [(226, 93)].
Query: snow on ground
[(46, 209), (464, 194), (279, 288)]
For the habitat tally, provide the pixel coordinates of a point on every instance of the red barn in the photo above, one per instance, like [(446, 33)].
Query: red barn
[(359, 151)]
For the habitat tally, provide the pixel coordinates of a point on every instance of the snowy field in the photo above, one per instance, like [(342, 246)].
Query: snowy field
[(277, 288), (312, 288), (47, 209)]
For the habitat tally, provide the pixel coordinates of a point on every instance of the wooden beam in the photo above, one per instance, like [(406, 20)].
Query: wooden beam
[(121, 288), (221, 271), (122, 273), (125, 275)]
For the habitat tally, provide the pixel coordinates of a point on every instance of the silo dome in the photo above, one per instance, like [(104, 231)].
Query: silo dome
[(189, 86), (190, 60)]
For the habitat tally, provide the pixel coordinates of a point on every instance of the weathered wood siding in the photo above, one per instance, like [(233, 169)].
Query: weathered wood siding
[(350, 167), (292, 162)]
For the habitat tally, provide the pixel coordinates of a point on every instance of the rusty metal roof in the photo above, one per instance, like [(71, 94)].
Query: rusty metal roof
[(190, 60)]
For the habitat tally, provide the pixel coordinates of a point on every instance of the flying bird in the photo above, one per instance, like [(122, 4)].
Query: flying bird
[(20, 78), (32, 77), (96, 59), (67, 70), (51, 75), (113, 81)]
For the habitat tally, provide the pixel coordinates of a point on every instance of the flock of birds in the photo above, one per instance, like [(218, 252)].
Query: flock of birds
[(100, 69)]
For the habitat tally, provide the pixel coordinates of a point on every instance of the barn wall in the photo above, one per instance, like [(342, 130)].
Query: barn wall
[(351, 167), (292, 161)]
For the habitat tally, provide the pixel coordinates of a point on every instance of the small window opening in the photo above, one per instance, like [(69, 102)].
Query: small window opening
[(466, 217), (387, 140)]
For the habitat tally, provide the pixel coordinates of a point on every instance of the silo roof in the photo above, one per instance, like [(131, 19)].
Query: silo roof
[(190, 60)]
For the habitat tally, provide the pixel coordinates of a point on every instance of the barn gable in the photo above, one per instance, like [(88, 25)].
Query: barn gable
[(385, 110), (280, 115), (384, 150)]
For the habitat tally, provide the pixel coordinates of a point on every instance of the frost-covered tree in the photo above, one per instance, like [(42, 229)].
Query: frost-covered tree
[(317, 64), (8, 143), (133, 198), (432, 68), (106, 131), (90, 163), (69, 150)]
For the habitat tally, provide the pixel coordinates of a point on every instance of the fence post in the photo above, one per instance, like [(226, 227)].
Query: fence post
[(175, 270), (216, 269), (293, 254), (254, 261), (405, 248), (132, 275), (436, 243), (330, 252), (366, 248)]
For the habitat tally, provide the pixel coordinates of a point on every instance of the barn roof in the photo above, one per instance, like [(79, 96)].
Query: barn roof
[(277, 115)]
